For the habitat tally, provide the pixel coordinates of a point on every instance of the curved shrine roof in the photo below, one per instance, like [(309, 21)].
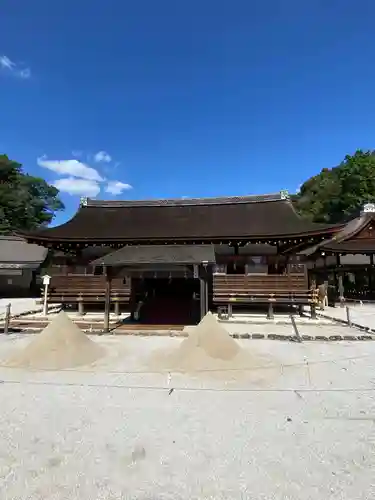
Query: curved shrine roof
[(357, 236), (246, 217)]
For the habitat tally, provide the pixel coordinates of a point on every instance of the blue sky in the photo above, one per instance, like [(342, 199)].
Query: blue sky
[(197, 98)]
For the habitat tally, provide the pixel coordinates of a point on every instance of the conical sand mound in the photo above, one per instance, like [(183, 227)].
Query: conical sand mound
[(60, 345), (210, 336), (210, 348)]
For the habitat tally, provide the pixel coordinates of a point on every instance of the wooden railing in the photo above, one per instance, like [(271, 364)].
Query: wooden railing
[(86, 288), (241, 289), (246, 289)]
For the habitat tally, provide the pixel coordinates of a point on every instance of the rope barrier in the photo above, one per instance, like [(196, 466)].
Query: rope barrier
[(189, 389)]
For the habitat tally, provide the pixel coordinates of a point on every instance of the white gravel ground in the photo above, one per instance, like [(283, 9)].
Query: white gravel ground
[(18, 306), (301, 430), (362, 314)]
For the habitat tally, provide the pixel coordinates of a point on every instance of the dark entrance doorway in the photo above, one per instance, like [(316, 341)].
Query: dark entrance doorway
[(172, 301)]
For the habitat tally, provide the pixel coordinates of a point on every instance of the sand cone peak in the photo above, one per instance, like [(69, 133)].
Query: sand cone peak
[(213, 338), (207, 318), (63, 327)]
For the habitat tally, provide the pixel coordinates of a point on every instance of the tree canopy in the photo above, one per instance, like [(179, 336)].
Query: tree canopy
[(338, 194), (26, 202)]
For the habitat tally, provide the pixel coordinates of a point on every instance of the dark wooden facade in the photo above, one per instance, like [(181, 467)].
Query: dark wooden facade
[(346, 261)]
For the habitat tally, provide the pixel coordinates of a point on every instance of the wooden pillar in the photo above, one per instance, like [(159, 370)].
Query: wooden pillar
[(107, 303), (313, 310), (203, 291), (341, 290), (370, 275), (287, 268), (230, 310), (335, 281), (117, 306), (206, 295), (81, 310), (270, 314), (134, 285), (370, 280), (202, 294)]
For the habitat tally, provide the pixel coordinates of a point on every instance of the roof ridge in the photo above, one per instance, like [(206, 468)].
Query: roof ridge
[(217, 200)]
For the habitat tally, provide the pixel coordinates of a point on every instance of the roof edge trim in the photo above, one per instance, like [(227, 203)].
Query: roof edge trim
[(220, 200)]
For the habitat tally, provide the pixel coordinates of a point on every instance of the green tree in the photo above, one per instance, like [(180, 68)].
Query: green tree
[(26, 202), (338, 194)]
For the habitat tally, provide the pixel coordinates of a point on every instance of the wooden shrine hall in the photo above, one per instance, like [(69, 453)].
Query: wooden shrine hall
[(346, 260), (170, 261)]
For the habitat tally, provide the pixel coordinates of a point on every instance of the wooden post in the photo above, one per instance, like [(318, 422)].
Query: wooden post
[(134, 285), (117, 306), (230, 310), (107, 303), (81, 311), (202, 294), (206, 294), (296, 332), (270, 310), (46, 282), (45, 300), (348, 316), (313, 310), (341, 291), (7, 319)]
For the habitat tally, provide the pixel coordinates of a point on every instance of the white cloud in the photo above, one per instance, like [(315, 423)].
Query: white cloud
[(24, 73), (13, 68), (74, 168), (78, 178), (117, 187), (102, 157), (82, 187), (5, 62)]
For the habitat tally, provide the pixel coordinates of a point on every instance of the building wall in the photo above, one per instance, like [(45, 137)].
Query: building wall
[(345, 260), (15, 282), (247, 262)]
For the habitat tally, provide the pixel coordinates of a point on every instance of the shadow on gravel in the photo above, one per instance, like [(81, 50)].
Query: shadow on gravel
[(11, 330)]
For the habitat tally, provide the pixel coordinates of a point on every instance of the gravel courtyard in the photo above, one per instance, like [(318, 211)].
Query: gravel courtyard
[(301, 427)]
